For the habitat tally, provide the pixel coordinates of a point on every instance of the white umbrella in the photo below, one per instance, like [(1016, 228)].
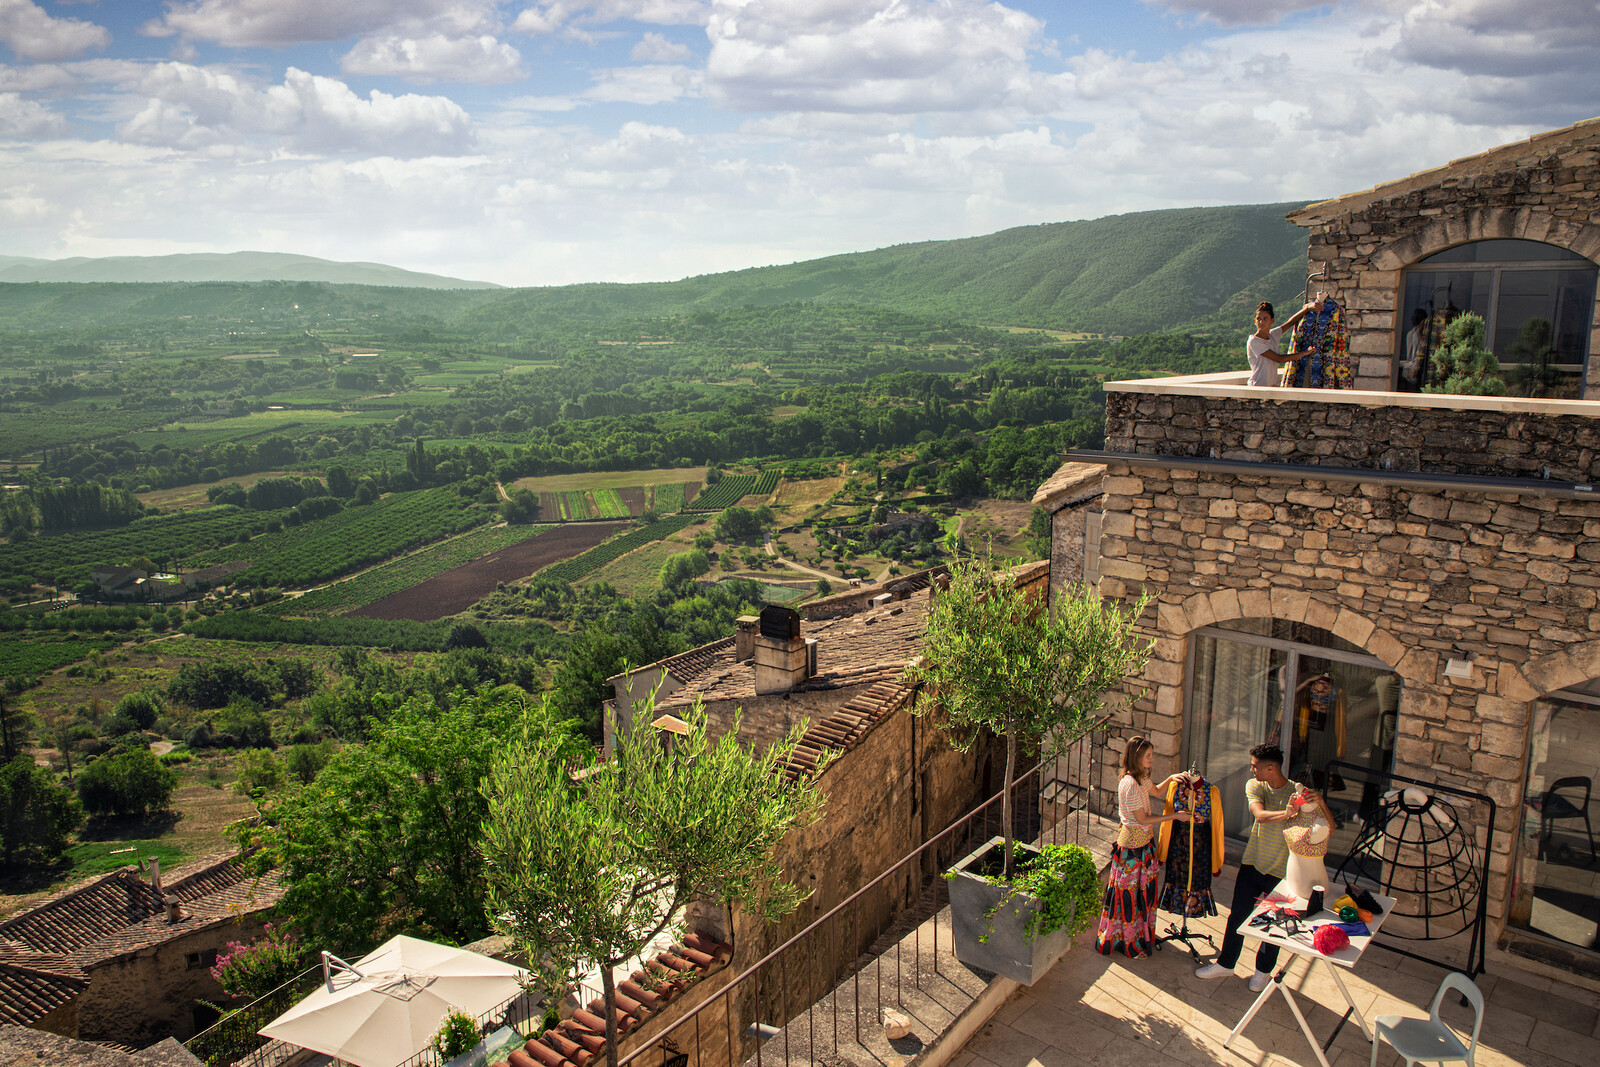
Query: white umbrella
[(387, 1006)]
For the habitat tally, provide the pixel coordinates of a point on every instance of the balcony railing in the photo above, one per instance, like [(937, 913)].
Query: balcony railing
[(1056, 802)]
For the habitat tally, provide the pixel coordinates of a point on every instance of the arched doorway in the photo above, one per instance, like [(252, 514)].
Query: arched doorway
[(1316, 695)]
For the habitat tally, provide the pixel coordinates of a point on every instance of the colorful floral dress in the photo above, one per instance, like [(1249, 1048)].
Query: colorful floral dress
[(1319, 339), (1128, 921)]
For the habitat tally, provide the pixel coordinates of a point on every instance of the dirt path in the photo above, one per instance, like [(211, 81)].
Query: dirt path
[(801, 567)]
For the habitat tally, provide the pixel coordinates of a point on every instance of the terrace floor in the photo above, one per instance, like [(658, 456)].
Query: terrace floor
[(1090, 1010)]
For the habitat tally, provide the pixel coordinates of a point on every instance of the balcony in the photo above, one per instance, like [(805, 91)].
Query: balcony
[(1217, 422)]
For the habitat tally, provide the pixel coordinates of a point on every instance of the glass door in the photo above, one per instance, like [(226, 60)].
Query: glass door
[(1237, 703)]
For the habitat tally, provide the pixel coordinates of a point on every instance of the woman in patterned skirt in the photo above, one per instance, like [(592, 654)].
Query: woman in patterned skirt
[(1128, 922)]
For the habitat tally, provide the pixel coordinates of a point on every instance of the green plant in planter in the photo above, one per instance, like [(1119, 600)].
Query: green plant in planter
[(996, 657), (1065, 881), (457, 1034)]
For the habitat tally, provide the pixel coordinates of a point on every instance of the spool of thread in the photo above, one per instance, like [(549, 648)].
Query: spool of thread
[(1314, 903)]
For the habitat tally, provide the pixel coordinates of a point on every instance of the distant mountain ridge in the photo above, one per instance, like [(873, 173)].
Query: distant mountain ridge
[(1183, 268), (223, 267), (1135, 273)]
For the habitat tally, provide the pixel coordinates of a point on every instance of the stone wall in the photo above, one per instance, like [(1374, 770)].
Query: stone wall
[(1543, 189), (148, 994), (1441, 440), (1413, 577)]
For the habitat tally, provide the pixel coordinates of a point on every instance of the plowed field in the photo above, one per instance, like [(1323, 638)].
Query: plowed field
[(458, 589)]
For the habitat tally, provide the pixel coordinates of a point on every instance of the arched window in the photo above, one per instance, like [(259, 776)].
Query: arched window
[(1536, 301)]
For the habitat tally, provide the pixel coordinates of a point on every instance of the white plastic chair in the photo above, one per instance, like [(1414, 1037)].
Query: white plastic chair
[(1430, 1039)]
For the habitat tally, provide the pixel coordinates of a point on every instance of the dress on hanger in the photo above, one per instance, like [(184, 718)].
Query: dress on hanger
[(1182, 891), (1320, 342)]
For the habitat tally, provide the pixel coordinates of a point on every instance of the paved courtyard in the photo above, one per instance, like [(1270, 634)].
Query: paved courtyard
[(1105, 1012)]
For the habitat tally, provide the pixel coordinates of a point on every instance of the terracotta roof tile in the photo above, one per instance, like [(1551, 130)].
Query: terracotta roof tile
[(34, 984), (581, 1039)]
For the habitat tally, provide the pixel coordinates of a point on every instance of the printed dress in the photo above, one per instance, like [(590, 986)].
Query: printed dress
[(1193, 851), (1319, 340), (1128, 921)]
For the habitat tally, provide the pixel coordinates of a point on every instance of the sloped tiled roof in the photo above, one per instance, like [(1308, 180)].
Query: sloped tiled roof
[(581, 1040), (45, 952), (1073, 481)]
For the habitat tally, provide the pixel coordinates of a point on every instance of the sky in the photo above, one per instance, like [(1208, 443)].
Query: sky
[(540, 142)]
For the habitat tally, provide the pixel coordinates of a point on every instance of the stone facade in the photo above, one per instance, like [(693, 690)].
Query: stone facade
[(1412, 574), (1543, 189)]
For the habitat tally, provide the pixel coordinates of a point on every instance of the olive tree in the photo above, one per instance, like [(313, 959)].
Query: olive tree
[(587, 862), (993, 658)]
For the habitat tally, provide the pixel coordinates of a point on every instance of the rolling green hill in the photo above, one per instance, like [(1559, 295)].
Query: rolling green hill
[(1124, 274), (221, 267)]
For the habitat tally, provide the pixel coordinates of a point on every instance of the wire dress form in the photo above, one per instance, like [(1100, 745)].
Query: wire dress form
[(1417, 846)]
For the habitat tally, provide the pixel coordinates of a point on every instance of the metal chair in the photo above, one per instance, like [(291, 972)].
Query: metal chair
[(1430, 1039), (1554, 806)]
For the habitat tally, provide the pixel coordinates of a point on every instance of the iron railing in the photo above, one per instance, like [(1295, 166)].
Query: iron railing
[(519, 1012), (233, 1038), (1056, 802)]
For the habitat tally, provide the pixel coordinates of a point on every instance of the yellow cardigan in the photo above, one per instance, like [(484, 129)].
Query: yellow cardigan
[(1217, 847)]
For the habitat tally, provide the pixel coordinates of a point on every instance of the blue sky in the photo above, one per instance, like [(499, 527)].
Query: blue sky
[(534, 142)]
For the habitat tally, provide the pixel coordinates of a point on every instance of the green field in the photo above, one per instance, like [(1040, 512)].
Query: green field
[(20, 655), (556, 483)]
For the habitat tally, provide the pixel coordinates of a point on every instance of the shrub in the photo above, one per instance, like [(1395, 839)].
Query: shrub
[(143, 707), (458, 1034), (263, 965), (128, 783)]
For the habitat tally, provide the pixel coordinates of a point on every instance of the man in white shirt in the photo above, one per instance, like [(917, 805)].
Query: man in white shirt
[(1262, 346)]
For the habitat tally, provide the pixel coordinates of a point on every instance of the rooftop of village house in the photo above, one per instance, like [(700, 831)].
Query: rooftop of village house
[(46, 951)]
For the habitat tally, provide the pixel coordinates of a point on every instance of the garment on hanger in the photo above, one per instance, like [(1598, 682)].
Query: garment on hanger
[(1321, 343), (1187, 887)]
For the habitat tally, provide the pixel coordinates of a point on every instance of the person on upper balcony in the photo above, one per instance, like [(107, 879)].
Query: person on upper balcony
[(1262, 346)]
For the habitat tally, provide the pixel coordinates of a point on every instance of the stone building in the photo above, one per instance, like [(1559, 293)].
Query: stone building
[(894, 781), (127, 958), (1404, 583)]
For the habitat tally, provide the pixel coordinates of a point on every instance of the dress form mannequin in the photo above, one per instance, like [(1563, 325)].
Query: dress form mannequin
[(1307, 835)]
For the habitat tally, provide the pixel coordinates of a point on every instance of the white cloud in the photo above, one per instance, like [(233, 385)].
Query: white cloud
[(20, 117), (655, 48), (1504, 38), (657, 84), (29, 31), (482, 60), (276, 23), (1241, 12), (189, 106), (550, 16), (900, 56)]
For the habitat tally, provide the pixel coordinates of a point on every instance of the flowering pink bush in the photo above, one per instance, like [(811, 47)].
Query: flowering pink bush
[(256, 969)]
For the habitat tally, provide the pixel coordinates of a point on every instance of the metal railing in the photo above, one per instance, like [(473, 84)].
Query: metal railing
[(233, 1038), (1056, 802), (519, 1012)]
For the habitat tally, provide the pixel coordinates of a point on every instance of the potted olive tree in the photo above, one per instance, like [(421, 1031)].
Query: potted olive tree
[(995, 659)]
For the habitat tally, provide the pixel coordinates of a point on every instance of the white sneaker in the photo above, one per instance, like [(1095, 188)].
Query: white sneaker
[(1259, 981), (1213, 970)]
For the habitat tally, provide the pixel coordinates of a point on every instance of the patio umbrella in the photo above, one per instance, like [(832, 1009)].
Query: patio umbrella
[(384, 1009)]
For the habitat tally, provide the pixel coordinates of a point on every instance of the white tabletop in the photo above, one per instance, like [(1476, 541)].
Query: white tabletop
[(1300, 944)]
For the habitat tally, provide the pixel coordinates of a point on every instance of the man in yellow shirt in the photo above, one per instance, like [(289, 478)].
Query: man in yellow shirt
[(1265, 859)]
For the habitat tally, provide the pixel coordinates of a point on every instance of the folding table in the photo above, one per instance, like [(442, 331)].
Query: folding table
[(1300, 944)]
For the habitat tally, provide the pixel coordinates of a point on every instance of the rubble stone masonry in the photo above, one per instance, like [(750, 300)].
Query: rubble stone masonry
[(1413, 576), (1543, 189)]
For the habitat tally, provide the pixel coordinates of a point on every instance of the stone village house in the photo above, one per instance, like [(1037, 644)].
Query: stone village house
[(1428, 565), (126, 957)]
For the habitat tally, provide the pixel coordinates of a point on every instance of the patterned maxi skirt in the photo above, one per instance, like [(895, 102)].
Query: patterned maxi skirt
[(1128, 922)]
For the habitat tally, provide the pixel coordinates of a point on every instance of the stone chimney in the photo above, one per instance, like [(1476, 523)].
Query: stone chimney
[(174, 909), (155, 877), (744, 638), (782, 658)]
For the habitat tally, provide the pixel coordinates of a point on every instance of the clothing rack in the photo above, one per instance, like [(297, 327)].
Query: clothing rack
[(1174, 931)]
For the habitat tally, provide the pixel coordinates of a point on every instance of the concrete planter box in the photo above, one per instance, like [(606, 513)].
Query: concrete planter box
[(1007, 952)]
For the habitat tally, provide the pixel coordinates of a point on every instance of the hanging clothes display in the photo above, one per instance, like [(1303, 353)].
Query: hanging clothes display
[(1320, 342), (1320, 717), (1192, 851)]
